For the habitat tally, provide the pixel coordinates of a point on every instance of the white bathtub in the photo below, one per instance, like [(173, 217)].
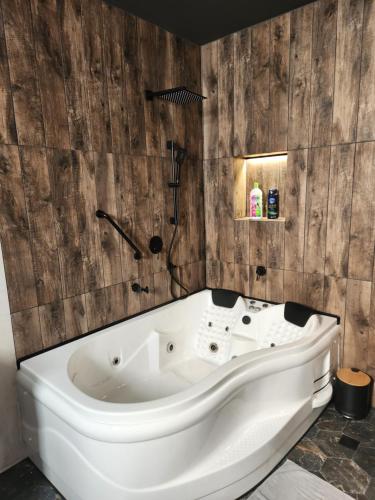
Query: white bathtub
[(184, 402)]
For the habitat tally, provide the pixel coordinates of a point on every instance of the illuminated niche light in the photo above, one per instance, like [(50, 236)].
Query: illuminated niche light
[(268, 158)]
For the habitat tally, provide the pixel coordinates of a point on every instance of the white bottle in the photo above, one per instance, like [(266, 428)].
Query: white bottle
[(256, 202)]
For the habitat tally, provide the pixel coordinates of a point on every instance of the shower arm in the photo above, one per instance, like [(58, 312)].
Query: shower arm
[(103, 215)]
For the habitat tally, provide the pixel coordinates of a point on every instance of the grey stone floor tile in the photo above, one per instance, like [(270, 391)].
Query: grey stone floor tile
[(365, 458), (25, 482), (345, 475)]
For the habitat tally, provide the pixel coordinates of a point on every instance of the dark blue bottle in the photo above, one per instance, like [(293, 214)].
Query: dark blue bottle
[(273, 204)]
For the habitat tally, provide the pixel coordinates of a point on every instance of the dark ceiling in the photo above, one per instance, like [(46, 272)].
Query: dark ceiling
[(202, 21)]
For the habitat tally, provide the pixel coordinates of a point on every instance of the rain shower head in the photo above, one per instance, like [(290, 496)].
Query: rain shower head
[(177, 95)]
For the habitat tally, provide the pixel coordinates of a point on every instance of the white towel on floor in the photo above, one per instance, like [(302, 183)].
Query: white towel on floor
[(292, 482)]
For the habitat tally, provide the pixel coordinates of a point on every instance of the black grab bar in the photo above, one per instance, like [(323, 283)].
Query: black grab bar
[(103, 215)]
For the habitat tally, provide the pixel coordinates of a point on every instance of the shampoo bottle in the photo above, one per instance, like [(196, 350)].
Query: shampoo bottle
[(256, 202)]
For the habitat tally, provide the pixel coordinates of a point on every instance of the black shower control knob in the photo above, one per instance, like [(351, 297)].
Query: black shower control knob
[(156, 244)]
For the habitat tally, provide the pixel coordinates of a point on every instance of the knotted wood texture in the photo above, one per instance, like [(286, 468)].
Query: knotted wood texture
[(303, 82), (77, 134)]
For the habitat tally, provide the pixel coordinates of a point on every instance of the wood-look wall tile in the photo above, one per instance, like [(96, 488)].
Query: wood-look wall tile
[(316, 209), (275, 285), (37, 186), (90, 236), (142, 185), (193, 113), (334, 296), (260, 96), (8, 131), (147, 300), (212, 203), (226, 228), (294, 287), (26, 332), (96, 309), (41, 220), (75, 316), (225, 95), (13, 213), (212, 273), (196, 217), (185, 276), (149, 80), (241, 279), (183, 232), (239, 188), (210, 109), (113, 46), (162, 287), (125, 213), (198, 276), (105, 305), (116, 309), (241, 242), (357, 323), (52, 323), (227, 278), (94, 105), (279, 83), (99, 115), (301, 22), (258, 243), (362, 228), (275, 245), (339, 209), (242, 92), (371, 339), (323, 71), (131, 299), (64, 197), (49, 70), (295, 201), (106, 198), (366, 113), (347, 71), (313, 290), (165, 81), (134, 97), (22, 64), (74, 67), (19, 270), (180, 113)]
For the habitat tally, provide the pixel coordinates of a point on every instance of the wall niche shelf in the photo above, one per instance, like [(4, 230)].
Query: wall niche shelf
[(269, 170), (263, 219)]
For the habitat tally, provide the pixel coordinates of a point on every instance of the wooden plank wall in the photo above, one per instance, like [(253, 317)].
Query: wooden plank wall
[(76, 134), (303, 82)]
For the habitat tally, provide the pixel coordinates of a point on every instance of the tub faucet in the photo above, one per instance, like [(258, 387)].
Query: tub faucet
[(138, 289)]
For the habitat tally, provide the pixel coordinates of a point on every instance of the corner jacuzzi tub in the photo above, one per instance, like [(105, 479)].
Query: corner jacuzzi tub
[(200, 398)]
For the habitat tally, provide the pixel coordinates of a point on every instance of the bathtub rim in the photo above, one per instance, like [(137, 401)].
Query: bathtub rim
[(146, 311)]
